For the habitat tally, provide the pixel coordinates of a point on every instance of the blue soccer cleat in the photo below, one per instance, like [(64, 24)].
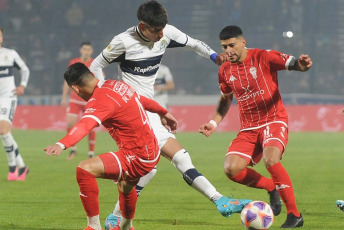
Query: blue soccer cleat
[(228, 206), (340, 204), (112, 221)]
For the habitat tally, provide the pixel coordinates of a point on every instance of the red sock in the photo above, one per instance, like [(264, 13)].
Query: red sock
[(127, 203), (88, 191), (284, 187), (92, 140), (252, 178)]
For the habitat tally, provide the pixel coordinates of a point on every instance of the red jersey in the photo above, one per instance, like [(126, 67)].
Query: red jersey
[(116, 106), (73, 96), (255, 86)]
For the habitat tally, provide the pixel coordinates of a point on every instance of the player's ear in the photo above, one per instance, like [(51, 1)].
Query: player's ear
[(142, 26), (75, 88)]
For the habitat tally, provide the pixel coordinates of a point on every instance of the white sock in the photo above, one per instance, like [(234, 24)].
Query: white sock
[(117, 210), (19, 159), (9, 145), (183, 163), (94, 222), (126, 224)]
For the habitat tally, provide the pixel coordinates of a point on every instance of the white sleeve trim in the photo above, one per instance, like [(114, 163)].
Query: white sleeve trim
[(94, 118), (288, 62), (61, 145)]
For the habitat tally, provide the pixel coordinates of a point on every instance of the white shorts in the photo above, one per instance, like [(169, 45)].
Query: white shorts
[(161, 133), (8, 106)]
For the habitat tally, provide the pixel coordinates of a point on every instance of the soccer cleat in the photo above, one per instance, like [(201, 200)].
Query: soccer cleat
[(293, 221), (118, 228), (275, 202), (72, 154), (112, 221), (12, 175), (340, 204), (90, 228), (22, 176), (228, 206)]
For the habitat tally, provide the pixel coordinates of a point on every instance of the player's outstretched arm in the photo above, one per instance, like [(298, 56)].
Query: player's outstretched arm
[(302, 64), (75, 134), (97, 66), (221, 110)]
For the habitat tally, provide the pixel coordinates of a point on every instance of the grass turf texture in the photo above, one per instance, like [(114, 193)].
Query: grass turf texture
[(49, 199)]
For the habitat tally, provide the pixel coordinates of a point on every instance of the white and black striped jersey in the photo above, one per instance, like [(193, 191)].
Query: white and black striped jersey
[(139, 59), (10, 59)]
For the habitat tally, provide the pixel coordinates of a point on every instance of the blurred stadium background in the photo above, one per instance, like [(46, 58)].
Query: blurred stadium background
[(47, 34)]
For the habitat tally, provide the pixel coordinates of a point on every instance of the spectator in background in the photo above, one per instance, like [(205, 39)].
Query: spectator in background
[(163, 83), (74, 15)]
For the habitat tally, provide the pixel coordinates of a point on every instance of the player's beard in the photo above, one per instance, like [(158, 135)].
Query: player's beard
[(236, 60)]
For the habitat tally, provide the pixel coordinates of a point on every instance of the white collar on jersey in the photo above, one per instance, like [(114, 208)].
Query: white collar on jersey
[(138, 31)]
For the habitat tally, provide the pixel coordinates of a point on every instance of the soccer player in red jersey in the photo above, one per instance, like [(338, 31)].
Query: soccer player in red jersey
[(116, 106), (251, 76), (76, 105)]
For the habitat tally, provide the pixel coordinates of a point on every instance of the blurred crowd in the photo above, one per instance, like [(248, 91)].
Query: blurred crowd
[(47, 34)]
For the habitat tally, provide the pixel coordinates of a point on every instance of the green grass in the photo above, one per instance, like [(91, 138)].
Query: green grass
[(49, 199)]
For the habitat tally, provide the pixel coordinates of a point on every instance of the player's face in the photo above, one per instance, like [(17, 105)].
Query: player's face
[(234, 47), (86, 52), (153, 34)]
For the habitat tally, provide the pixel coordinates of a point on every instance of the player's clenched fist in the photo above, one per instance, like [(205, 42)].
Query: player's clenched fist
[(305, 61), (53, 150), (222, 58), (207, 129)]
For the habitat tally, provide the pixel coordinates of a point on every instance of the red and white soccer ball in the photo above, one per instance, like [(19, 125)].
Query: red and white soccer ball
[(257, 215)]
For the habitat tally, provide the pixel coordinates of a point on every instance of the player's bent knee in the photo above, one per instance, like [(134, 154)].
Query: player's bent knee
[(270, 161), (232, 170), (5, 127)]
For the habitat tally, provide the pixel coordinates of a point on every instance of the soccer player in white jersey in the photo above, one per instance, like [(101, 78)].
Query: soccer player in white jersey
[(8, 102), (138, 52), (163, 83)]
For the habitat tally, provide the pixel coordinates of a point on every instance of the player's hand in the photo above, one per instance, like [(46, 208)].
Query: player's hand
[(206, 129), (53, 150), (222, 58), (19, 90), (169, 122), (63, 102), (305, 62)]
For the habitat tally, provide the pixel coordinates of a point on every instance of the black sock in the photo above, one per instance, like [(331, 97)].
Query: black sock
[(21, 170), (12, 168)]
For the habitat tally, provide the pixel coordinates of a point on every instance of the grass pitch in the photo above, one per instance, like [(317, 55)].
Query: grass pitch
[(49, 199)]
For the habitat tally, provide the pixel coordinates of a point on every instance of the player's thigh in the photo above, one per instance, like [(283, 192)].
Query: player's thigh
[(95, 166), (161, 133), (245, 146), (7, 110)]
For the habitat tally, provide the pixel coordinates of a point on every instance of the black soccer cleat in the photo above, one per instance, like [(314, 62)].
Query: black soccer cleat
[(293, 221), (275, 202)]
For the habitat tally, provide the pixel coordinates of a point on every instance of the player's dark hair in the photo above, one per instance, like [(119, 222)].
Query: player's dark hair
[(86, 43), (230, 32), (76, 74), (152, 13)]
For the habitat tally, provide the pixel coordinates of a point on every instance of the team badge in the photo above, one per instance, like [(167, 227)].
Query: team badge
[(253, 72), (163, 44)]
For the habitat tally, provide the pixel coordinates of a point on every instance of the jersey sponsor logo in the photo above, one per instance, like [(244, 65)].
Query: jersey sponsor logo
[(90, 110), (5, 71), (133, 53), (147, 69), (124, 90), (253, 72), (249, 94), (232, 78)]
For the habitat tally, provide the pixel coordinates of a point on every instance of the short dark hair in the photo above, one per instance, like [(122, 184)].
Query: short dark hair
[(230, 32), (152, 13), (76, 74), (85, 43)]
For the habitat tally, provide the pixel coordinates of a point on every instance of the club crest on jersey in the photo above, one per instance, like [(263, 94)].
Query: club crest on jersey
[(163, 44), (253, 72), (232, 78)]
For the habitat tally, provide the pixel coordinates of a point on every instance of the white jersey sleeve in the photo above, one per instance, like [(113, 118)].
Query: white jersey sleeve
[(112, 53), (24, 70), (180, 39)]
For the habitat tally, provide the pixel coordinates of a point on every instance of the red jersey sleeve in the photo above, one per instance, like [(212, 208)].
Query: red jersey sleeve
[(100, 107), (224, 87), (152, 106), (277, 60)]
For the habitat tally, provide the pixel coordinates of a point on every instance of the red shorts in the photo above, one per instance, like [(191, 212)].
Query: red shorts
[(75, 108), (250, 144), (123, 165)]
